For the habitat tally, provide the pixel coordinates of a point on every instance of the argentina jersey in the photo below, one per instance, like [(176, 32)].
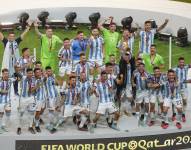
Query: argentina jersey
[(181, 74), (171, 90), (84, 90), (40, 94), (83, 68), (66, 54), (51, 87), (130, 43), (71, 94), (141, 81), (5, 96), (128, 76), (96, 48), (147, 39), (26, 86), (102, 89)]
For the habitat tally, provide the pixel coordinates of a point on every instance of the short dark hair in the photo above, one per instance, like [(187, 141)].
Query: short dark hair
[(48, 67), (79, 32), (29, 69), (142, 64), (66, 39), (24, 49), (11, 32), (103, 72), (5, 70), (94, 28), (111, 55), (139, 58), (108, 64), (153, 45), (71, 77), (82, 54), (48, 27), (156, 68), (171, 71), (181, 58), (36, 69), (148, 21), (112, 23), (38, 62)]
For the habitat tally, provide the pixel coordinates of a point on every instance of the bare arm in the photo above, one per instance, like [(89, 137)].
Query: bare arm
[(163, 25), (1, 36), (36, 29)]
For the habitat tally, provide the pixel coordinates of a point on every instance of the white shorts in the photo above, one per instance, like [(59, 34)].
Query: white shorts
[(70, 110), (25, 104), (168, 102), (64, 70), (98, 61), (106, 107), (5, 107), (142, 96), (155, 97), (128, 92), (40, 105), (184, 93), (52, 103)]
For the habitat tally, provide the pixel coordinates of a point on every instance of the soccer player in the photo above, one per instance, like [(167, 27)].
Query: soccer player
[(181, 73), (127, 40), (156, 83), (111, 38), (140, 81), (83, 67), (11, 46), (172, 95), (79, 45), (147, 36), (152, 60), (49, 42), (5, 100), (25, 61), (65, 56), (26, 101), (103, 89), (40, 96), (84, 93), (96, 43), (52, 95)]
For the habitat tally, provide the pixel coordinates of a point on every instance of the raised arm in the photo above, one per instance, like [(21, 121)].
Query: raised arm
[(100, 24), (163, 25), (36, 29), (1, 36), (27, 29)]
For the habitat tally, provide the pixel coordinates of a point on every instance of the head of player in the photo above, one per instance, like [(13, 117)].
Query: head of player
[(153, 49), (37, 73), (49, 71), (49, 32), (95, 32), (82, 58), (126, 57), (25, 52), (141, 68), (72, 81), (112, 27), (29, 73), (80, 35), (11, 36), (66, 43), (83, 77), (108, 68), (104, 76), (38, 64), (171, 75), (147, 25), (139, 60), (126, 34), (5, 74), (112, 59), (157, 72), (181, 62)]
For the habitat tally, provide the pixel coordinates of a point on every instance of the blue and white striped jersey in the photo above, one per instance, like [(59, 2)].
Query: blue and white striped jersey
[(51, 87), (96, 48), (71, 94), (147, 39), (22, 62), (161, 80), (181, 74), (84, 89), (128, 77), (26, 86), (141, 81), (171, 90), (67, 55), (40, 93), (83, 68), (130, 43), (103, 91), (5, 86)]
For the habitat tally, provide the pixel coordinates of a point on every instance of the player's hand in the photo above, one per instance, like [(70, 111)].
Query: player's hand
[(36, 23), (30, 22), (166, 20)]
